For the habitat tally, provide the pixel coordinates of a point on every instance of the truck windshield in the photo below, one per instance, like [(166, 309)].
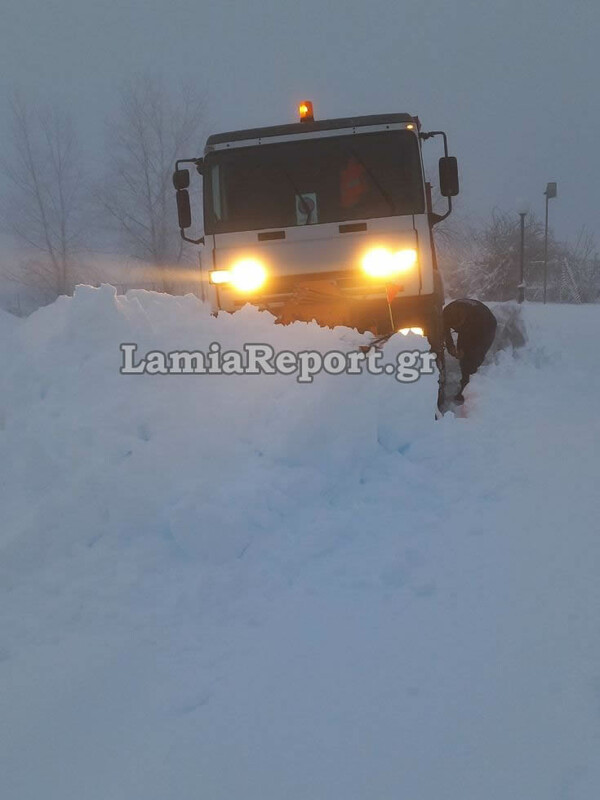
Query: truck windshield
[(330, 179)]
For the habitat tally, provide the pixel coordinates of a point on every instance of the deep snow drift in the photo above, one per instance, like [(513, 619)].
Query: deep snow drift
[(240, 587)]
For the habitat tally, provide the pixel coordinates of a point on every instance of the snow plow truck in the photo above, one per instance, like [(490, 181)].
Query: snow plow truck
[(330, 220)]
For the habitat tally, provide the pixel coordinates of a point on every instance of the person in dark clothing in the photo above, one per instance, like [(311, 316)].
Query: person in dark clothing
[(476, 328)]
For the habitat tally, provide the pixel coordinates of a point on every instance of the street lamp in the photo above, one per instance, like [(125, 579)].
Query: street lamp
[(550, 193), (523, 211)]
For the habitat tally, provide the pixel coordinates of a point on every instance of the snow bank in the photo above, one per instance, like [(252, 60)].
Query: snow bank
[(238, 586)]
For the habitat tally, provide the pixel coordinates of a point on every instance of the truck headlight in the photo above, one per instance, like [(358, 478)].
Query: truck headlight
[(246, 275), (381, 262)]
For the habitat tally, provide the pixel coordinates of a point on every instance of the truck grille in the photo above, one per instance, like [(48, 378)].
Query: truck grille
[(281, 287)]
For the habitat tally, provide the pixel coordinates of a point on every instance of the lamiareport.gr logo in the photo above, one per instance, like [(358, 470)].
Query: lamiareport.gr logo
[(262, 359)]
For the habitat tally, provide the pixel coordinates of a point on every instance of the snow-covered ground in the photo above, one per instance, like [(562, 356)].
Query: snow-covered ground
[(240, 587)]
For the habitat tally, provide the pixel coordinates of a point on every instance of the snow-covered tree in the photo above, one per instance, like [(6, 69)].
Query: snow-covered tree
[(484, 261), (579, 261)]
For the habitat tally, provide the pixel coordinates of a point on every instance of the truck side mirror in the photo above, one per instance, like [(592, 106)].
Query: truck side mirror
[(448, 176), (181, 179), (184, 212)]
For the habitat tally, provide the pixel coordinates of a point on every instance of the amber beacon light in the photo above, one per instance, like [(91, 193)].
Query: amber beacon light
[(305, 109)]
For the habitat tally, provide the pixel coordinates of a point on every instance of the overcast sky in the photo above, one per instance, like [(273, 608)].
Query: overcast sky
[(514, 84)]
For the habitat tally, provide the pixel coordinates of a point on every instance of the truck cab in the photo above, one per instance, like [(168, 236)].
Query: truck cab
[(329, 220)]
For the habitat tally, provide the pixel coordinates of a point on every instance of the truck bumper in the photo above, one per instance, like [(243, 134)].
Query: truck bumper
[(343, 298)]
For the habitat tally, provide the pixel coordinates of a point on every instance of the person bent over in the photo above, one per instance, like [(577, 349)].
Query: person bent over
[(476, 328)]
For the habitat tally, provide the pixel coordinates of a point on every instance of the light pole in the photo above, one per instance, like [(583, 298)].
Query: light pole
[(521, 286), (550, 193)]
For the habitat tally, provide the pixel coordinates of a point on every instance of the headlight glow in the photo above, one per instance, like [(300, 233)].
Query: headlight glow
[(246, 275), (406, 331), (381, 262), (220, 276), (405, 259)]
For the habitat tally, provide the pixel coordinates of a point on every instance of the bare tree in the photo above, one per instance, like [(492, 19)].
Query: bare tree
[(45, 201), (152, 129)]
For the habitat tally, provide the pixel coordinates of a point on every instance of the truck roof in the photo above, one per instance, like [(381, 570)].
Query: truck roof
[(308, 127)]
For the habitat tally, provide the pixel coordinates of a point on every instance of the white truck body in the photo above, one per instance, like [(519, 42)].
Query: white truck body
[(308, 204)]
